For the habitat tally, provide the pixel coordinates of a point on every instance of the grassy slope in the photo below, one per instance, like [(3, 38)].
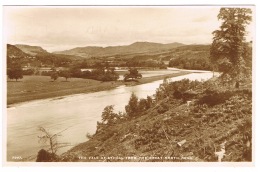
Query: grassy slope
[(155, 134), (41, 87)]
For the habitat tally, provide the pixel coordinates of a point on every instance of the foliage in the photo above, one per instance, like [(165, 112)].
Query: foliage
[(15, 72), (28, 72), (50, 59), (145, 61), (100, 74), (229, 41), (163, 107), (214, 97), (54, 75), (108, 115), (149, 137), (133, 74), (46, 73), (179, 89), (161, 92), (45, 156), (142, 105), (65, 73), (194, 61), (216, 115), (75, 72), (149, 102), (135, 107), (132, 107), (110, 75)]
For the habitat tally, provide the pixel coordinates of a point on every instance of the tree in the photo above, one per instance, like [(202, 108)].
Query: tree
[(15, 72), (66, 74), (28, 72), (109, 75), (76, 72), (54, 75), (108, 115), (161, 92), (133, 74), (51, 140), (227, 46), (142, 105), (162, 65), (149, 102), (132, 107)]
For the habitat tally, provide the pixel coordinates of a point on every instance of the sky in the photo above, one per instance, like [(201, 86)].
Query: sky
[(61, 28)]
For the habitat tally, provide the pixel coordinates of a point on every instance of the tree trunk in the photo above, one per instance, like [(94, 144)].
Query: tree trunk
[(51, 144)]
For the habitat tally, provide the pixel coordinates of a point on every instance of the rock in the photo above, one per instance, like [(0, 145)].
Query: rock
[(222, 152), (188, 103), (181, 143), (166, 118), (127, 136)]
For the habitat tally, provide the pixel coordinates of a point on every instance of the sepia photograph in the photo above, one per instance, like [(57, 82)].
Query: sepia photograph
[(129, 84)]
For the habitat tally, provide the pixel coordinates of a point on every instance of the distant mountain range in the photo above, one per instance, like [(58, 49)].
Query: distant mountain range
[(138, 51), (179, 55), (137, 47)]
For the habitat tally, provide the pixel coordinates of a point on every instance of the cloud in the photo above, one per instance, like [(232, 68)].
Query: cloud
[(58, 28), (201, 19)]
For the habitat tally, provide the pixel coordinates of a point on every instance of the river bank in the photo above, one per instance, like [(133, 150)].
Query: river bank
[(40, 87), (172, 130)]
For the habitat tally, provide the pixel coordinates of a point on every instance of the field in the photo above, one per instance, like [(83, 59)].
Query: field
[(41, 87)]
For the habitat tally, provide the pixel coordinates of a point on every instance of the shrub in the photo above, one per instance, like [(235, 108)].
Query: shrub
[(28, 72), (178, 89), (163, 108), (45, 156), (213, 98), (89, 136), (104, 135), (46, 73)]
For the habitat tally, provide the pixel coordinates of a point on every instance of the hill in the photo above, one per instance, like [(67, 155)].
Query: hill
[(186, 57), (216, 119), (15, 55), (35, 56), (195, 57), (137, 47), (138, 54), (14, 52), (32, 50)]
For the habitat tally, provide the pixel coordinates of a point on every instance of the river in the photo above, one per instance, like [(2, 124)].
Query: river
[(79, 113)]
